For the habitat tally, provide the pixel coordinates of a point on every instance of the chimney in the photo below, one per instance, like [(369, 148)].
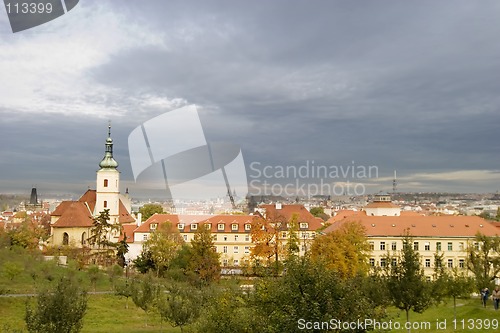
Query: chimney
[(278, 205), (139, 219)]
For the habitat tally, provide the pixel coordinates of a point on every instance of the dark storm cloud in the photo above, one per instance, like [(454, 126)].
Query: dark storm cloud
[(411, 86)]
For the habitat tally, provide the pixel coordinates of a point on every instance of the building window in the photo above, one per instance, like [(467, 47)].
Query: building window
[(224, 262), (247, 249), (225, 238), (303, 225), (84, 238), (372, 262), (438, 263), (461, 263), (185, 237), (382, 262), (247, 238), (236, 262), (180, 226), (214, 238), (105, 183), (461, 246), (415, 246), (145, 237), (235, 238), (105, 204), (372, 246), (224, 249), (476, 246), (65, 238), (450, 263), (394, 246), (427, 263), (427, 246), (394, 262), (283, 234), (438, 246), (234, 227), (220, 226), (248, 227), (153, 226), (208, 226), (450, 246), (194, 226), (235, 249), (382, 246)]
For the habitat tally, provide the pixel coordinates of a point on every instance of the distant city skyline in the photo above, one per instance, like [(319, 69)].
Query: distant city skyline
[(406, 86)]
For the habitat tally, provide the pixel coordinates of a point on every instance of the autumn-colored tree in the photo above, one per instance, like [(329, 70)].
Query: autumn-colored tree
[(344, 250), (203, 259), (163, 244), (265, 233)]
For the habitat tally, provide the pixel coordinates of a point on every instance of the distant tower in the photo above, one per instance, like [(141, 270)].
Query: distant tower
[(108, 183), (394, 183), (34, 197)]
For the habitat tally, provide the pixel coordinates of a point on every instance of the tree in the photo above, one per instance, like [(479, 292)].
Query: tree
[(309, 291), (204, 260), (100, 234), (180, 306), (292, 244), (58, 311), (319, 212), (344, 250), (266, 238), (123, 288), (163, 245), (484, 259), (121, 251), (149, 210), (406, 284), (144, 293), (94, 275), (458, 285), (144, 262)]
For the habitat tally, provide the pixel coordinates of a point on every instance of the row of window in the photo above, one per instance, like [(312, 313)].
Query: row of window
[(383, 246), (220, 226), (236, 249), (427, 263)]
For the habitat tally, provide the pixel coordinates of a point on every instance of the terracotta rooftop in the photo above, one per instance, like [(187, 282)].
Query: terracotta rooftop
[(76, 214), (128, 229), (381, 204), (124, 215), (421, 226), (90, 197), (287, 212)]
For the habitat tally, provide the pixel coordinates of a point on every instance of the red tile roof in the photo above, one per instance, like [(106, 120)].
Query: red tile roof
[(128, 229), (124, 215), (287, 212), (187, 220), (381, 204), (90, 197), (76, 214), (421, 226)]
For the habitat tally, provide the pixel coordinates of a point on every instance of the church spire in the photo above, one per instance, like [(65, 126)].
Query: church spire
[(108, 162)]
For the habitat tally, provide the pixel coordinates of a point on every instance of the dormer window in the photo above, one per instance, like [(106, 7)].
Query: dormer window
[(194, 226), (208, 226), (153, 226), (248, 227), (234, 227), (304, 225), (220, 226)]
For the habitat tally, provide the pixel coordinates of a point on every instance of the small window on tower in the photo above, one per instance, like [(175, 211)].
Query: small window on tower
[(105, 204), (105, 183)]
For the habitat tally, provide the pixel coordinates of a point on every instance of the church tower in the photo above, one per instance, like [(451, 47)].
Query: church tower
[(108, 183)]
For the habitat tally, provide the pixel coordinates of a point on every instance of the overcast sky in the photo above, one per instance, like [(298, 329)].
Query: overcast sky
[(412, 86)]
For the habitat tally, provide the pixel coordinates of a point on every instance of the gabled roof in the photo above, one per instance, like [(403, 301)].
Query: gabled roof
[(124, 215), (287, 211), (76, 214), (90, 197), (420, 226), (128, 229)]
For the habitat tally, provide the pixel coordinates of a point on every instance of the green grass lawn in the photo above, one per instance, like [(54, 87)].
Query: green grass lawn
[(105, 313), (470, 311)]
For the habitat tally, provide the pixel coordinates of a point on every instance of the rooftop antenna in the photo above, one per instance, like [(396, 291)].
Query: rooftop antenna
[(394, 183)]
